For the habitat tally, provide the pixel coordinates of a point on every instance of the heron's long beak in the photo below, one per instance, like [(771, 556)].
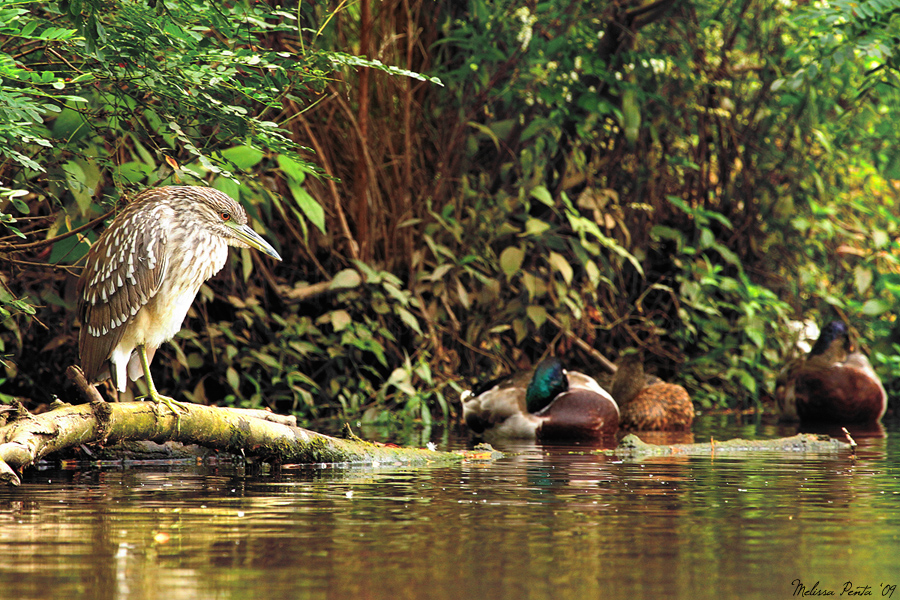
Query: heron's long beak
[(246, 234)]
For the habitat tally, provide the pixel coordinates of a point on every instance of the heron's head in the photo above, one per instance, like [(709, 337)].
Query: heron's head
[(226, 218)]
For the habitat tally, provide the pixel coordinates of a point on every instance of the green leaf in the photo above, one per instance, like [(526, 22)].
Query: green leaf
[(340, 58), (520, 327), (756, 334), (294, 169), (863, 278), (593, 273), (76, 180), (511, 260), (399, 378), (542, 194), (408, 318), (559, 262), (70, 249), (20, 204), (266, 359), (536, 227), (463, 295), (340, 319), (246, 264), (312, 209), (243, 157), (400, 296), (664, 232), (535, 286), (440, 272), (875, 307), (29, 29), (631, 114), (234, 380), (486, 131), (134, 171), (345, 279), (227, 186), (537, 314)]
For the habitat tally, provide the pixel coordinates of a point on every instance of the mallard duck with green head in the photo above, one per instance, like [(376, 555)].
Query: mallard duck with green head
[(833, 383), (647, 403), (547, 402)]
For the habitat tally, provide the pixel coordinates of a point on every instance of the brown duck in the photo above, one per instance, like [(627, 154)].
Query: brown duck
[(647, 403), (834, 383)]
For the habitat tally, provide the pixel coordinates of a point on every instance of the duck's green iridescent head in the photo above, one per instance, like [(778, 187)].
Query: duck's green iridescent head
[(548, 382)]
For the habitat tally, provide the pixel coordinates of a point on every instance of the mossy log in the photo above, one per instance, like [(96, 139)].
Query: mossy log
[(633, 447), (27, 438)]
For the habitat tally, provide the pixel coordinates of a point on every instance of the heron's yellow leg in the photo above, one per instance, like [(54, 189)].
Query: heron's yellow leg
[(174, 405)]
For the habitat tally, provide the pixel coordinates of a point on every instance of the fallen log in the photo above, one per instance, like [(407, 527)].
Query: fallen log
[(632, 447), (27, 438)]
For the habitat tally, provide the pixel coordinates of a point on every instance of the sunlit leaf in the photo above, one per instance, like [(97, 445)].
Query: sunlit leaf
[(246, 264), (562, 266), (361, 61), (345, 279), (542, 194), (234, 379), (537, 314), (863, 278), (440, 272), (875, 307), (410, 319), (520, 328), (463, 295), (511, 260), (340, 319), (536, 227), (399, 378)]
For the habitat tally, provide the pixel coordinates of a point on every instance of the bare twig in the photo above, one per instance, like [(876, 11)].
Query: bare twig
[(76, 376), (604, 362), (11, 248)]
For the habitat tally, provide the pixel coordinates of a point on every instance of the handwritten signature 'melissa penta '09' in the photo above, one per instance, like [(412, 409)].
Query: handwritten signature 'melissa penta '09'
[(885, 590)]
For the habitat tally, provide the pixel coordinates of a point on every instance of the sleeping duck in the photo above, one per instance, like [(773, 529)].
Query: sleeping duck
[(646, 403), (548, 402), (833, 383)]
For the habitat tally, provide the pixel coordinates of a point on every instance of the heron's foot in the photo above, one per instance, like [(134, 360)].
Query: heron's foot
[(172, 404)]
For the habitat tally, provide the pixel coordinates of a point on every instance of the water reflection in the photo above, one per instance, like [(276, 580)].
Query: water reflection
[(547, 521)]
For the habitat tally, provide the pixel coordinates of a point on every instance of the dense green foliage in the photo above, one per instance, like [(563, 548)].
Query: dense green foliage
[(692, 178)]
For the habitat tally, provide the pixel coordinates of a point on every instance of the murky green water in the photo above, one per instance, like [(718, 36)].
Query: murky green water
[(553, 522)]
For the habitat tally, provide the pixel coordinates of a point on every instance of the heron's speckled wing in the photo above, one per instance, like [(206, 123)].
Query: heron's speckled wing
[(124, 270)]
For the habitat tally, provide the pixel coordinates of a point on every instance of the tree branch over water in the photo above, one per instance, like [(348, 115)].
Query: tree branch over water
[(27, 438)]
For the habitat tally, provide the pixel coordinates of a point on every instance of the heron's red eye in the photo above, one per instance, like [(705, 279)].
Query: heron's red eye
[(225, 216)]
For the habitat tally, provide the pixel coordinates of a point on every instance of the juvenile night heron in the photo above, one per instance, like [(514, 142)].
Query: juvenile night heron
[(144, 272)]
